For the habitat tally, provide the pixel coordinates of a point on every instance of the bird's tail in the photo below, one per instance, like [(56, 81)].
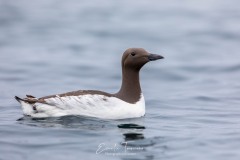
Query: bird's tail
[(19, 99), (27, 105)]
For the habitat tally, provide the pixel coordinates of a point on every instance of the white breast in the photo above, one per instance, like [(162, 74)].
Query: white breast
[(98, 106)]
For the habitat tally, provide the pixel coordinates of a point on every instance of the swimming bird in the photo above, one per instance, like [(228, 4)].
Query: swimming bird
[(128, 102)]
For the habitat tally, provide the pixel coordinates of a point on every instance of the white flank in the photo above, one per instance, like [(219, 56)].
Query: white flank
[(98, 106)]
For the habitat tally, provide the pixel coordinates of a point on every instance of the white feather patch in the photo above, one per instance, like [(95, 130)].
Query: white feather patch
[(99, 106)]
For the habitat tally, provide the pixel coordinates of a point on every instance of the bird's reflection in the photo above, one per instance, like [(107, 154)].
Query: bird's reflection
[(133, 136), (73, 122), (131, 126), (132, 131)]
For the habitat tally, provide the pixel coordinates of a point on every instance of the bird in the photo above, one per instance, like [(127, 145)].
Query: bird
[(128, 102)]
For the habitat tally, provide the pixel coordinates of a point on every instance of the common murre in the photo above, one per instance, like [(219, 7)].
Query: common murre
[(128, 102)]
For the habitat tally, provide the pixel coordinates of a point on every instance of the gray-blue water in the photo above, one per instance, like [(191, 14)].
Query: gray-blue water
[(192, 96)]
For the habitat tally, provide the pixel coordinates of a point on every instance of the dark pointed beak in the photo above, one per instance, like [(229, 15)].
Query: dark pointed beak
[(153, 57)]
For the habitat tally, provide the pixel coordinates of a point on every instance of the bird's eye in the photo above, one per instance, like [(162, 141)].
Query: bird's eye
[(133, 53)]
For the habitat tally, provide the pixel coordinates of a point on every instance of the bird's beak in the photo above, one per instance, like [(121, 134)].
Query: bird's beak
[(153, 57)]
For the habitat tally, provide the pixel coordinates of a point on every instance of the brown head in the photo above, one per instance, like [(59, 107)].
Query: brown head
[(136, 58), (133, 60)]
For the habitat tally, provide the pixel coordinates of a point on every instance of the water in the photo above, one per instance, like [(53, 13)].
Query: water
[(192, 96)]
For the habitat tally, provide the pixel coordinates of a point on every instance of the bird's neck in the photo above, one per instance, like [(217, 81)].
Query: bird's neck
[(130, 90)]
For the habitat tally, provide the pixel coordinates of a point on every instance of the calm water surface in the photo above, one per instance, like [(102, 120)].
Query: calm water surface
[(192, 96)]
